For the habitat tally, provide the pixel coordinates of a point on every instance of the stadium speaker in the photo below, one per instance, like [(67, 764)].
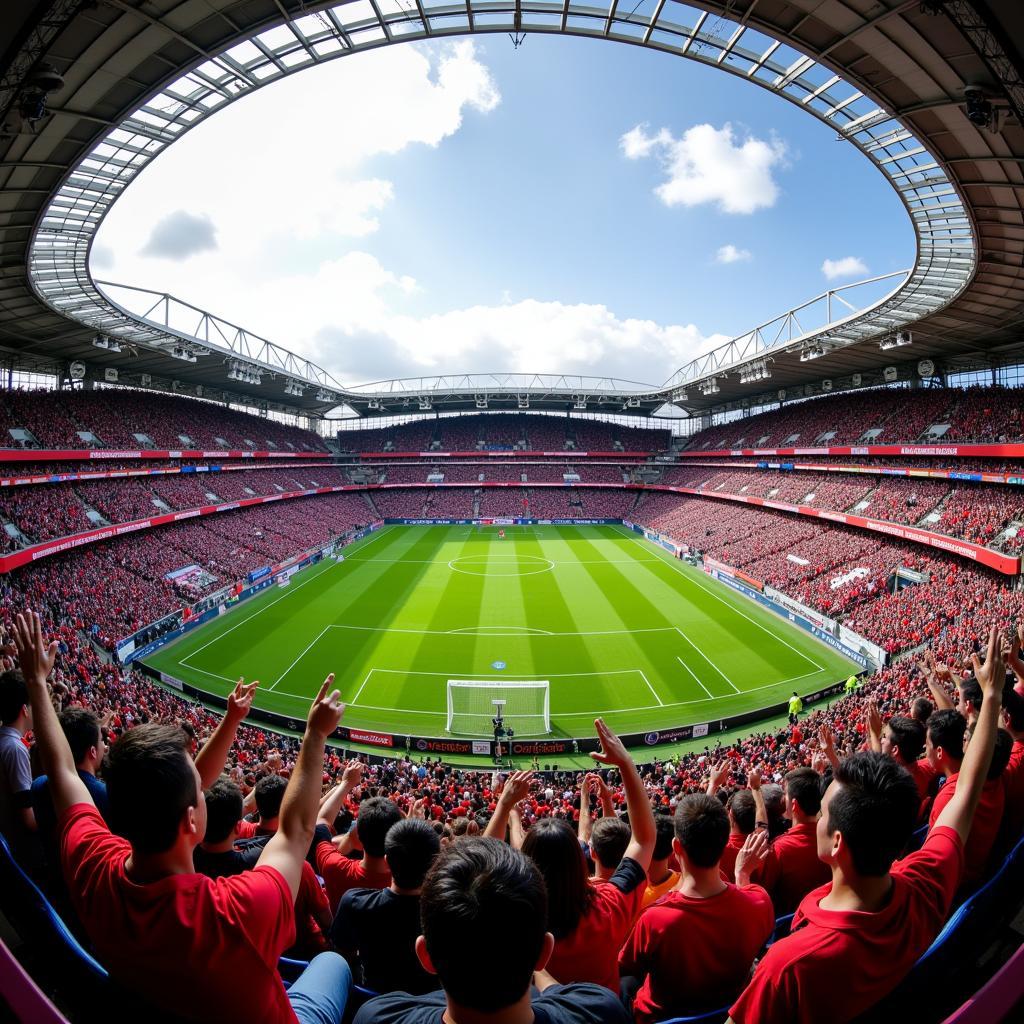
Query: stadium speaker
[(782, 394), (826, 385), (856, 380), (890, 373)]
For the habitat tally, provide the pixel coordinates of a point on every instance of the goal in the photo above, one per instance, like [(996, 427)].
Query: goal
[(473, 705)]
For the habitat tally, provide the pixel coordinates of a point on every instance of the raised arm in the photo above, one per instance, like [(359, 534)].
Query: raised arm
[(959, 812), (211, 759), (760, 810), (287, 848), (517, 785), (638, 804), (586, 825), (36, 658), (719, 774), (873, 726), (828, 745), (332, 803), (931, 673), (516, 832)]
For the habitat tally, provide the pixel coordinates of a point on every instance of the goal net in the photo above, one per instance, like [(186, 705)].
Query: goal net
[(474, 704)]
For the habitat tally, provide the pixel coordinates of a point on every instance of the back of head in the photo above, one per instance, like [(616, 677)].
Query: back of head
[(921, 710), (1013, 708), (702, 828), (553, 846), (151, 782), (269, 794), (374, 821), (803, 785), (608, 841), (13, 695), (873, 801), (411, 846), (970, 692), (946, 730), (907, 735), (82, 729), (664, 833), (223, 809), (480, 891), (1000, 754), (744, 812)]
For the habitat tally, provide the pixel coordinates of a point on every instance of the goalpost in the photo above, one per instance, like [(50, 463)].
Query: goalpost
[(473, 705)]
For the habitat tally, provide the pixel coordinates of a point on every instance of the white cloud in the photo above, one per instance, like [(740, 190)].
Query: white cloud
[(349, 316), (848, 266), (730, 254), (711, 165), (180, 235), (269, 172)]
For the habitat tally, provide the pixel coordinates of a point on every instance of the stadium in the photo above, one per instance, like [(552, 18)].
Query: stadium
[(695, 700)]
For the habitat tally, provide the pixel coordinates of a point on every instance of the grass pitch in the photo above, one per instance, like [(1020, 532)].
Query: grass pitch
[(619, 628)]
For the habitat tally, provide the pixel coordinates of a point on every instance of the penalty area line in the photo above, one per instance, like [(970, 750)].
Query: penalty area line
[(696, 679)]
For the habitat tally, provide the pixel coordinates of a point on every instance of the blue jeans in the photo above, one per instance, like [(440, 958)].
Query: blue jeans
[(321, 991)]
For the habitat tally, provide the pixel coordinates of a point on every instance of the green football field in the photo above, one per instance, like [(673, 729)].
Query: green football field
[(617, 627)]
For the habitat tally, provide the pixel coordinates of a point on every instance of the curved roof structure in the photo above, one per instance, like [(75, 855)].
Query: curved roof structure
[(888, 75)]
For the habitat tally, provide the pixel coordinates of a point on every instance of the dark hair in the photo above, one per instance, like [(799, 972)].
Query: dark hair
[(554, 848), (13, 695), (803, 786), (410, 847), (150, 784), (921, 710), (907, 736), (82, 729), (744, 813), (970, 692), (946, 729), (476, 890), (1013, 706), (269, 794), (1000, 754), (223, 809), (608, 841), (874, 804), (375, 818), (702, 828), (664, 833)]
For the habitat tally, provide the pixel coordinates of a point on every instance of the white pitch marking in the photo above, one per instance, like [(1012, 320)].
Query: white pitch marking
[(654, 692), (299, 658), (694, 674), (693, 579), (708, 660)]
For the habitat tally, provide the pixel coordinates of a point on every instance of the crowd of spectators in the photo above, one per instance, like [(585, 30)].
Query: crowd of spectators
[(889, 415), (125, 419)]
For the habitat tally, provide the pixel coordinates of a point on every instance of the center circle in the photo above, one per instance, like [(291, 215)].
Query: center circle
[(504, 565)]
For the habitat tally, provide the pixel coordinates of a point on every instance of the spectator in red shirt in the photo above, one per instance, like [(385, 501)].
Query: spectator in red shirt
[(339, 872), (1013, 776), (874, 919), (608, 842), (663, 874), (989, 814), (477, 891), (692, 950), (796, 850), (590, 922), (903, 739), (944, 742), (176, 938)]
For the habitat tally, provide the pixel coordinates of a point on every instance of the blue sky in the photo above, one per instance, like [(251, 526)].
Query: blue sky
[(473, 207)]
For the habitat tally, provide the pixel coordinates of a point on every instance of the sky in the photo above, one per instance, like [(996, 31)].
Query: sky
[(465, 206)]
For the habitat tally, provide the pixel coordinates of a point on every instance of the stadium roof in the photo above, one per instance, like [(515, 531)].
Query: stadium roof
[(931, 91)]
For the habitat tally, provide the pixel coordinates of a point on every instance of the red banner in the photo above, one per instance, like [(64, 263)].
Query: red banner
[(376, 739), (961, 451), (75, 454)]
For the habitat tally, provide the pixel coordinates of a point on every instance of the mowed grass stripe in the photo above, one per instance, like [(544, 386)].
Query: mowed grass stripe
[(603, 581)]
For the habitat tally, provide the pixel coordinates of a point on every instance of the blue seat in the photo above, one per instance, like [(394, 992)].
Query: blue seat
[(290, 969), (711, 1017), (781, 929), (64, 965)]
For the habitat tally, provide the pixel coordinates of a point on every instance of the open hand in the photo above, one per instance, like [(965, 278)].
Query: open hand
[(326, 711)]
